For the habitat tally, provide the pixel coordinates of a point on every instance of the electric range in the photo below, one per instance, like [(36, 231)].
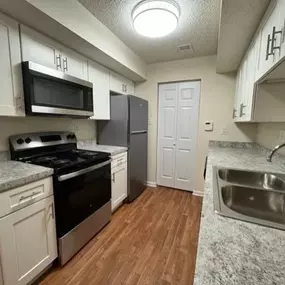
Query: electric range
[(81, 182)]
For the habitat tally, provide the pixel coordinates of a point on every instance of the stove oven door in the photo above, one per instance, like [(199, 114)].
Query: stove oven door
[(79, 194)]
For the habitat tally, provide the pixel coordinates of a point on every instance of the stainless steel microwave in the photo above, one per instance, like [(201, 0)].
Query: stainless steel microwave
[(54, 93)]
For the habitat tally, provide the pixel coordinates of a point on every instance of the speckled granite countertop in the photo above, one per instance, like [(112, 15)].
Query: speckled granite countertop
[(14, 174), (232, 251), (91, 145)]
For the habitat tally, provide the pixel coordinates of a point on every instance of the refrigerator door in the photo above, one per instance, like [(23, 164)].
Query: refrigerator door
[(137, 164), (115, 131), (138, 114)]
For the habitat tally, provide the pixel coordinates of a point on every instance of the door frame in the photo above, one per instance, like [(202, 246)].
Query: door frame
[(157, 129)]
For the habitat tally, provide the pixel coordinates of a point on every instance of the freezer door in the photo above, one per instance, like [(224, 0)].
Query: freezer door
[(115, 131), (138, 114), (137, 165)]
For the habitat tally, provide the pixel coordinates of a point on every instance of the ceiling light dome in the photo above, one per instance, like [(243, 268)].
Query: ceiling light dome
[(155, 19)]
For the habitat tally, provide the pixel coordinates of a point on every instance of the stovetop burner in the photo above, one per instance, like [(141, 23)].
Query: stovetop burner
[(44, 159), (60, 162)]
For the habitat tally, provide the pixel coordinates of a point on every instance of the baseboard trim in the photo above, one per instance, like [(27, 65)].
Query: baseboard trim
[(198, 193), (151, 184)]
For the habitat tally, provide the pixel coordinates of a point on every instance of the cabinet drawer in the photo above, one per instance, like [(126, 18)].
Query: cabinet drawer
[(119, 159), (18, 198)]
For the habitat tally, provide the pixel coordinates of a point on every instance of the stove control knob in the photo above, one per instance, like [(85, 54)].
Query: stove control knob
[(69, 137), (28, 140), (20, 141), (73, 136)]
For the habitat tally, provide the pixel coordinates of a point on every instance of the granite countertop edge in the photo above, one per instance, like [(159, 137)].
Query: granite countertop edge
[(15, 174), (232, 251), (93, 146)]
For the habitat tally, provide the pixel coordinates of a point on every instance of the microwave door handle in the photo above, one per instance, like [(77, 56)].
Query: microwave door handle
[(83, 171)]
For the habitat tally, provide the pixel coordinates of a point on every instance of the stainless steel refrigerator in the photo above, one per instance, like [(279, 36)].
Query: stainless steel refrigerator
[(128, 127)]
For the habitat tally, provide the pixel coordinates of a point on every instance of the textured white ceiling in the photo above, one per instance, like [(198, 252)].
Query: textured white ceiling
[(198, 25)]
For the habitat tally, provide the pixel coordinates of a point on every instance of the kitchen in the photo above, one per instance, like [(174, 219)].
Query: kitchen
[(107, 119)]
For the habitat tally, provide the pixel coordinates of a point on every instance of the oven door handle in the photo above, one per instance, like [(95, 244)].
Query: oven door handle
[(82, 171)]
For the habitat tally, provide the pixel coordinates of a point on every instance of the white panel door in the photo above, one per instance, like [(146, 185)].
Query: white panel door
[(28, 242), (11, 90), (177, 134), (99, 76), (186, 138), (167, 121)]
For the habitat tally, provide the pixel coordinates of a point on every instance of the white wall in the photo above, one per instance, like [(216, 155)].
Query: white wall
[(216, 104), (84, 129)]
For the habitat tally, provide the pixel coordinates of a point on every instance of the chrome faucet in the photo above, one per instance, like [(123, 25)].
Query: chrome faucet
[(269, 157)]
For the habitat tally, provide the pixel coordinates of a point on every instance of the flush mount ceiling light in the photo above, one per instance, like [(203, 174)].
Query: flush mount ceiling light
[(155, 19)]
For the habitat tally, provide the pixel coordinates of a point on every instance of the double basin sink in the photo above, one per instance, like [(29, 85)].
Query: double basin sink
[(251, 196)]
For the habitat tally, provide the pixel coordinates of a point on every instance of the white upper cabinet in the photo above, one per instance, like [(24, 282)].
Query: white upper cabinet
[(40, 49), (11, 89), (100, 78), (28, 242), (272, 35), (45, 51), (74, 64), (121, 85)]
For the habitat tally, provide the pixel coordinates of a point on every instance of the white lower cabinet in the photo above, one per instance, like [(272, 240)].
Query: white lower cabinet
[(119, 174), (28, 242)]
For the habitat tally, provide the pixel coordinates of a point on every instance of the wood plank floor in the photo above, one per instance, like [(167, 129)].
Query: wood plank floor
[(152, 241)]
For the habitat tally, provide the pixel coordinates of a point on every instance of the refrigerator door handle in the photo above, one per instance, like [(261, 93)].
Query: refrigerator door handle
[(138, 132)]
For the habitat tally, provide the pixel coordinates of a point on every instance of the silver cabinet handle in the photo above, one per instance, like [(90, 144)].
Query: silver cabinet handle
[(267, 48), (123, 88), (126, 86), (274, 33), (58, 61), (234, 113), (29, 196), (241, 113), (113, 177), (52, 211), (65, 67)]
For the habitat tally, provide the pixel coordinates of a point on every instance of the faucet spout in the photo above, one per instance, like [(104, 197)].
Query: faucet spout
[(269, 157)]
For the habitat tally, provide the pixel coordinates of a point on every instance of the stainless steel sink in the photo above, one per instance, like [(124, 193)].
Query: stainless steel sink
[(254, 179), (251, 196)]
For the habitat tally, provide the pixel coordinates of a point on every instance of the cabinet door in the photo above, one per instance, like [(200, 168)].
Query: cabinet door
[(117, 83), (100, 78), (74, 64), (28, 242), (40, 49), (119, 185), (272, 19), (11, 90), (130, 87)]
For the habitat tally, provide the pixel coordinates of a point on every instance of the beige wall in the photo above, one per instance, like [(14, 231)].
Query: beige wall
[(216, 104), (84, 129), (268, 135)]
